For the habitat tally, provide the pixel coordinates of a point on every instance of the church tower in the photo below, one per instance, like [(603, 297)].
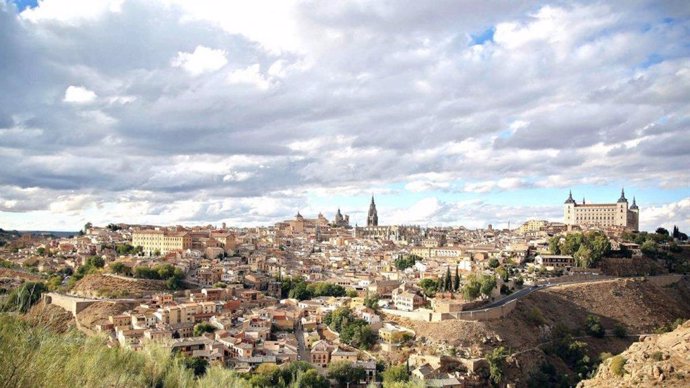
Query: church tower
[(372, 217)]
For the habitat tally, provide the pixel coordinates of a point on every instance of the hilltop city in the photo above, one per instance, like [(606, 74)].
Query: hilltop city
[(437, 306)]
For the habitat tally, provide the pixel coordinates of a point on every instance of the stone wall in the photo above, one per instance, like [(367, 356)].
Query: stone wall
[(69, 303)]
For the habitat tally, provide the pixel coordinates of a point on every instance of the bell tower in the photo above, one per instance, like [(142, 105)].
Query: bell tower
[(372, 217)]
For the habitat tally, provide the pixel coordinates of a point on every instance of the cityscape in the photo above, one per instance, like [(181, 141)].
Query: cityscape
[(344, 194)]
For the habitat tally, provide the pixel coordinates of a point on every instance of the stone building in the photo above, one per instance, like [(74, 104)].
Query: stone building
[(602, 214)]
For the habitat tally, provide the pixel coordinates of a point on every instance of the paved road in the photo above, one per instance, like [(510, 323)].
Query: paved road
[(302, 351), (515, 295)]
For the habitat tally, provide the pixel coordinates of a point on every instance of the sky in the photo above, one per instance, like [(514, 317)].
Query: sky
[(448, 112)]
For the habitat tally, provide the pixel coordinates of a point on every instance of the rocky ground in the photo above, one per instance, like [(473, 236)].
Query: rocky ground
[(657, 360)]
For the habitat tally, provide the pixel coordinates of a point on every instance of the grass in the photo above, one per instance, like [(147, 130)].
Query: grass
[(37, 357)]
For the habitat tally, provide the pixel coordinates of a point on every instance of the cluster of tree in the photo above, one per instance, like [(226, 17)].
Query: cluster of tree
[(294, 374), (429, 287), (113, 227), (120, 268), (128, 249), (372, 301), (92, 265), (476, 286), (406, 261), (661, 235), (173, 276), (23, 297), (301, 290), (353, 331), (572, 352), (587, 248), (677, 234)]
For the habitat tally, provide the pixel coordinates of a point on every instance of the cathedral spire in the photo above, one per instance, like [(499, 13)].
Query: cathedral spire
[(372, 216), (622, 198)]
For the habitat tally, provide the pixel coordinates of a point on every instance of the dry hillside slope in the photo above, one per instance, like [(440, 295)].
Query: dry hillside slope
[(98, 285)]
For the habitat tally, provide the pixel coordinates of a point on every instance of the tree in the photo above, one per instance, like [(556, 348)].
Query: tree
[(96, 261), (593, 326), (87, 226), (311, 379), (345, 372), (198, 365), (583, 256), (472, 288), (203, 327), (554, 245), (456, 280), (447, 284), (502, 273), (430, 286), (395, 374), (496, 360), (662, 231), (649, 248), (493, 262), (120, 268), (488, 283)]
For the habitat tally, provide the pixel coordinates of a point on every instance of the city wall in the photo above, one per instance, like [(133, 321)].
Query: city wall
[(72, 304), (474, 315)]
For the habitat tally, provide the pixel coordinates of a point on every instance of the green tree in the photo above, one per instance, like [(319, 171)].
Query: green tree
[(311, 379), (496, 360), (447, 283), (649, 248), (197, 365), (554, 245), (493, 262), (430, 286), (456, 280), (395, 374), (593, 326), (502, 273), (472, 288), (488, 283), (344, 372), (203, 327), (584, 256), (662, 231)]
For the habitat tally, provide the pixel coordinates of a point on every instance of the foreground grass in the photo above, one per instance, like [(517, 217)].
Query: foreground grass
[(37, 357)]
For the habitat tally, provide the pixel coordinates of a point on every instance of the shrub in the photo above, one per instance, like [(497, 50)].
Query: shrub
[(620, 331), (593, 327), (617, 365), (657, 356), (535, 317)]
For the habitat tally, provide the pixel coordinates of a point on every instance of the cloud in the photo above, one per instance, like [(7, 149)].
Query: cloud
[(172, 111), (79, 95), (202, 60)]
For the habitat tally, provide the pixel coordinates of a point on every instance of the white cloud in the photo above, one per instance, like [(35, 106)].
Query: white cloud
[(79, 95), (77, 11), (250, 76), (202, 60)]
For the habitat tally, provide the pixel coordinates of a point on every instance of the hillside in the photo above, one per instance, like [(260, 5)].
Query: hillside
[(49, 316), (638, 305), (657, 359), (105, 286), (99, 312)]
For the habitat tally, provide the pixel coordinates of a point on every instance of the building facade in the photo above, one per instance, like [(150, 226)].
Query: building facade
[(161, 241), (602, 214)]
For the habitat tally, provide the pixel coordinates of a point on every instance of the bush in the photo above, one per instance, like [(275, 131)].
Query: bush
[(23, 297), (657, 356), (620, 331), (535, 317), (593, 327), (617, 365)]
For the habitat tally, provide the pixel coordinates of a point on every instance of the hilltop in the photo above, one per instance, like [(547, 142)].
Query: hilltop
[(108, 286), (656, 359)]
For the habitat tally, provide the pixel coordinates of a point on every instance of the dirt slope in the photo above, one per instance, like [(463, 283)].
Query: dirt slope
[(658, 360), (99, 312), (98, 285), (50, 315)]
